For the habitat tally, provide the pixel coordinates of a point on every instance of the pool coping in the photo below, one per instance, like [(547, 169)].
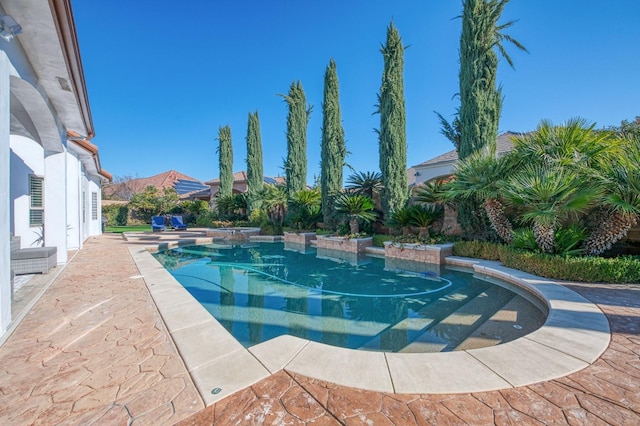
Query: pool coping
[(574, 336)]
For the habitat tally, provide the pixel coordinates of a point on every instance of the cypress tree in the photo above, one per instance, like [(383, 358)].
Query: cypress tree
[(297, 121), (225, 161), (255, 174), (392, 132), (480, 97), (333, 149)]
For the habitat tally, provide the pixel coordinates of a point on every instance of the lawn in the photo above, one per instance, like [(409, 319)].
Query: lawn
[(132, 228)]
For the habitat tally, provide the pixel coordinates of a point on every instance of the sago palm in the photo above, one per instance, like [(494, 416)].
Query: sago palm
[(423, 218), (365, 183), (355, 208)]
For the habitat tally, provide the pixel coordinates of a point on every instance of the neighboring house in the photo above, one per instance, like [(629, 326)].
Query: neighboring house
[(50, 174), (240, 183), (443, 165), (182, 183)]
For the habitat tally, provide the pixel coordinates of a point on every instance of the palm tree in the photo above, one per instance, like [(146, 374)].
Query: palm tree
[(305, 207), (479, 177), (423, 217), (574, 144), (402, 219), (620, 209), (365, 183), (548, 195), (274, 199), (433, 192), (355, 208)]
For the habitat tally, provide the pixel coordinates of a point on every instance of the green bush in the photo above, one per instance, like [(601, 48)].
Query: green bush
[(269, 228), (206, 219), (117, 215), (379, 239), (623, 269)]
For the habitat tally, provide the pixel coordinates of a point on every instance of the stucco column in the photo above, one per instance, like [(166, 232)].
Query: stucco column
[(55, 203), (5, 258)]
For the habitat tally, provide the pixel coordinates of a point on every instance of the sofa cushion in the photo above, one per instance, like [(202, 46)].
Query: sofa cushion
[(33, 253)]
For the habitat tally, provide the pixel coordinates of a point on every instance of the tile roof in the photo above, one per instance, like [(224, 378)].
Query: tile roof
[(242, 177), (503, 144), (167, 179)]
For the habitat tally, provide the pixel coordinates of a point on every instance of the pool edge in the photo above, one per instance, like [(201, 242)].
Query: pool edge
[(575, 334)]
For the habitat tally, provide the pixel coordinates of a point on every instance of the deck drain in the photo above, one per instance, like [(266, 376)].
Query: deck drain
[(517, 326), (135, 277), (216, 391)]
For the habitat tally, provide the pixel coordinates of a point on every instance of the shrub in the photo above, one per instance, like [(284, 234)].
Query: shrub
[(624, 269), (117, 215), (206, 219)]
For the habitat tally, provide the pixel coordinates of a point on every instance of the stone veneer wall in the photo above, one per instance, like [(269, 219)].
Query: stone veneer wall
[(419, 252), (234, 234), (299, 237), (353, 245)]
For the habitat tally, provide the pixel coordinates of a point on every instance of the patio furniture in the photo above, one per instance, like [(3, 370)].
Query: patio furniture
[(157, 223), (34, 260), (177, 223)]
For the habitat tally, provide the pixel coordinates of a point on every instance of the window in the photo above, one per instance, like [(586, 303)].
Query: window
[(84, 207), (94, 206), (36, 207)]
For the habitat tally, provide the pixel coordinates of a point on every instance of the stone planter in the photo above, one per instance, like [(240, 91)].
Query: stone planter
[(340, 256), (436, 253), (297, 247), (397, 264), (303, 238), (233, 234), (353, 245)]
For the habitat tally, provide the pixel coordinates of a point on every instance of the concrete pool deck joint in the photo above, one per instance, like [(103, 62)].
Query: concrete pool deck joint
[(574, 335)]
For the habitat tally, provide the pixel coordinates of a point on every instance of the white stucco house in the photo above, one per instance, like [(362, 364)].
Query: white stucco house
[(50, 172), (443, 165)]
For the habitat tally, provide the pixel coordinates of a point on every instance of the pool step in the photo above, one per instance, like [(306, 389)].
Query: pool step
[(500, 328), (400, 334), (448, 333)]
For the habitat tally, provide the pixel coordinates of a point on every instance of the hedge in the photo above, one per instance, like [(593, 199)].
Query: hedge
[(622, 269)]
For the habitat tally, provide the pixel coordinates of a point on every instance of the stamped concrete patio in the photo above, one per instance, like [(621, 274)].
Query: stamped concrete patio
[(94, 350)]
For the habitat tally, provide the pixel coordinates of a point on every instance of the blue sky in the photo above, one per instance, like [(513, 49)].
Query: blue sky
[(163, 76)]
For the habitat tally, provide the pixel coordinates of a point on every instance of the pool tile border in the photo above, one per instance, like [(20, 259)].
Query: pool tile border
[(575, 334)]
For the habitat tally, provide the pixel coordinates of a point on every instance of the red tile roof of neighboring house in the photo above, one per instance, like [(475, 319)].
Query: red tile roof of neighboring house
[(160, 181)]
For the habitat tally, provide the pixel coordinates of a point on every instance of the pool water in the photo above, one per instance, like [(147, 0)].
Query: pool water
[(259, 291)]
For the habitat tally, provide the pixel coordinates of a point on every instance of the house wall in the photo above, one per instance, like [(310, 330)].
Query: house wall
[(26, 158), (425, 174), (94, 226), (74, 223), (55, 202), (5, 128)]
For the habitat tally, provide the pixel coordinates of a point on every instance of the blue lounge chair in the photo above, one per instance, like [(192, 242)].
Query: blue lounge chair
[(177, 223), (157, 223)]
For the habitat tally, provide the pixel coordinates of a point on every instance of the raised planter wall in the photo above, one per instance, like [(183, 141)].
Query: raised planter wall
[(299, 237), (419, 252), (234, 234), (353, 245)]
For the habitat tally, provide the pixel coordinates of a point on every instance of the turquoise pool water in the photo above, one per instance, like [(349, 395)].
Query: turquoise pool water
[(259, 291)]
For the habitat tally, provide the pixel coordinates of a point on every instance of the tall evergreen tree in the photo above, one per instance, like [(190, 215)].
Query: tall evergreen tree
[(297, 121), (225, 161), (392, 132), (255, 174), (333, 149), (480, 97)]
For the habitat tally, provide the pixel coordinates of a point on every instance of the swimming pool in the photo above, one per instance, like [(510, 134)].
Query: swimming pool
[(259, 291)]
